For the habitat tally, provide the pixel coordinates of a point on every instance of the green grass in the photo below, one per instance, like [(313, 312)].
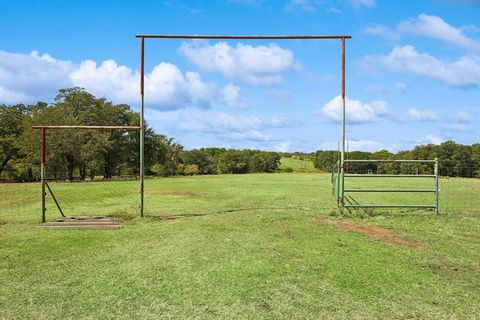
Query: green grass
[(297, 165), (237, 247)]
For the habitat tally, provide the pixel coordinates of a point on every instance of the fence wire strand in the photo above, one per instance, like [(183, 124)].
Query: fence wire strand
[(119, 196), (459, 187)]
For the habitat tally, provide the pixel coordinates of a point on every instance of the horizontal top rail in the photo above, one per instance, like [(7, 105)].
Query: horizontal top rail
[(389, 206), (390, 190), (258, 37), (90, 127), (392, 161), (372, 175)]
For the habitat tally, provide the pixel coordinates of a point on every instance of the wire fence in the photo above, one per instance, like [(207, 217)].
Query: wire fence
[(459, 187), (80, 196), (20, 201)]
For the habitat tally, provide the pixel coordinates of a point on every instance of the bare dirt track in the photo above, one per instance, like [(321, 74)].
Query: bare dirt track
[(372, 232)]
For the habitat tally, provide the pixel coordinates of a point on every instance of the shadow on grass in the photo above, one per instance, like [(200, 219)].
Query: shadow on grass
[(365, 213), (169, 217)]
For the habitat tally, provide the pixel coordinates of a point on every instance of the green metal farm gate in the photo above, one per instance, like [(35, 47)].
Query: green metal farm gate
[(340, 191)]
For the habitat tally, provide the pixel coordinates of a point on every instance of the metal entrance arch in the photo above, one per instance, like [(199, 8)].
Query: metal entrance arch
[(142, 38)]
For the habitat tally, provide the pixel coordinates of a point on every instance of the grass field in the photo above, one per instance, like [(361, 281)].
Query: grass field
[(258, 246), (297, 165)]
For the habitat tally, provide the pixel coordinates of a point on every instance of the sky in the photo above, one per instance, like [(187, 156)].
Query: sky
[(412, 68)]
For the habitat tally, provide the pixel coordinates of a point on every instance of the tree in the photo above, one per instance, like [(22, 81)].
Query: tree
[(385, 168), (258, 163), (233, 161), (475, 158), (191, 169), (264, 162), (361, 167), (86, 152), (326, 160), (202, 159), (11, 127)]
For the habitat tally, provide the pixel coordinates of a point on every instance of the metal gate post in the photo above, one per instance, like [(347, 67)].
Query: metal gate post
[(142, 125), (338, 182), (342, 155), (42, 171), (437, 211)]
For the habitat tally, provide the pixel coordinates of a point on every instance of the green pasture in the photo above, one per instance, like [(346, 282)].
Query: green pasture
[(297, 165), (257, 246)]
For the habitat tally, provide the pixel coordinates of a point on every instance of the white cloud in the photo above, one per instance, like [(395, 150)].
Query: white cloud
[(30, 77), (362, 145), (378, 89), (284, 95), (107, 79), (362, 3), (252, 135), (11, 97), (199, 92), (356, 111), (279, 122), (463, 72), (313, 5), (465, 115), (430, 139), (401, 87), (464, 2), (218, 122), (457, 127), (333, 10), (221, 122), (231, 96), (435, 27), (422, 115), (246, 2), (166, 87), (259, 65), (381, 31), (304, 5), (430, 26), (283, 146), (233, 127)]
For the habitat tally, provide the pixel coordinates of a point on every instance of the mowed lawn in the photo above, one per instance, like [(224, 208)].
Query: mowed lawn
[(297, 165), (258, 246)]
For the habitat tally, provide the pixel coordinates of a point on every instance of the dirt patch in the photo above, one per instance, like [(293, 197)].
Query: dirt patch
[(178, 193), (166, 218), (375, 233)]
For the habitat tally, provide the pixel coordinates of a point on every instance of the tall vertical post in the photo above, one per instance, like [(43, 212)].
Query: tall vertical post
[(142, 123), (42, 171), (437, 210), (342, 155), (338, 182)]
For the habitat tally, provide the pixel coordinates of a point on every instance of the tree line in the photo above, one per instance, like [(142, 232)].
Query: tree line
[(454, 160), (89, 154)]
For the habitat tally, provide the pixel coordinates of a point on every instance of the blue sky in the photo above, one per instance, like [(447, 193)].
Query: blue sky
[(413, 68)]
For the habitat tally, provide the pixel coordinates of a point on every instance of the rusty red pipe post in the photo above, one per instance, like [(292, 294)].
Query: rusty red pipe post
[(43, 143), (142, 124)]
